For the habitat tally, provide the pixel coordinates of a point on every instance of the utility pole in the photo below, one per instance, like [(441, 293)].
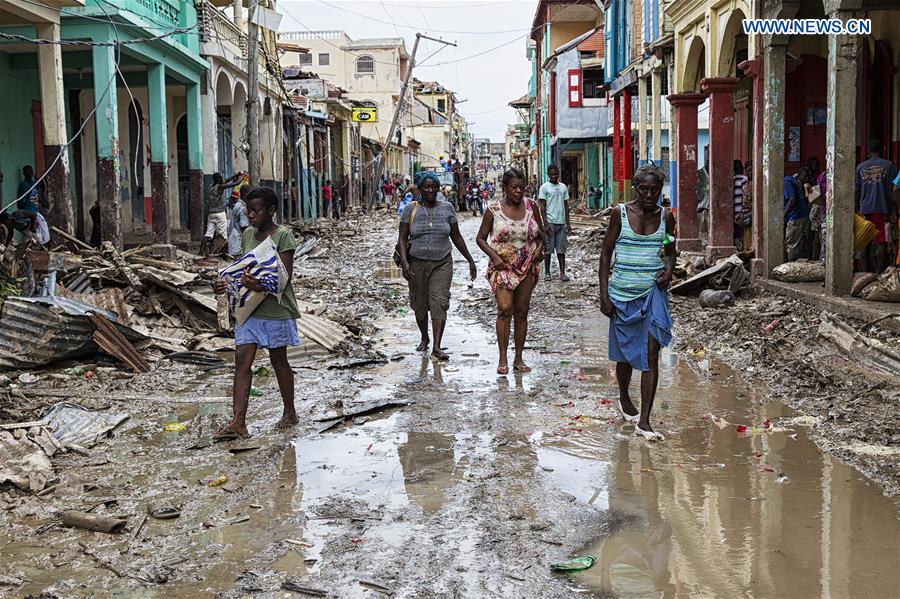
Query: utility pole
[(381, 159), (253, 94)]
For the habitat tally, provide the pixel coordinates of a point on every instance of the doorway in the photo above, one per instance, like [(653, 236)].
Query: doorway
[(183, 177), (136, 164)]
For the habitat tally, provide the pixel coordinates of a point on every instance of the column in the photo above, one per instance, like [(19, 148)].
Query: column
[(721, 164), (159, 153), (53, 111), (673, 138), (656, 115), (627, 146), (754, 68), (642, 120), (617, 150), (685, 106), (773, 156), (840, 160), (195, 160), (238, 9), (103, 60)]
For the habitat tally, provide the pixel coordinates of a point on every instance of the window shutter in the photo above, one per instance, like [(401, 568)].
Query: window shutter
[(574, 85)]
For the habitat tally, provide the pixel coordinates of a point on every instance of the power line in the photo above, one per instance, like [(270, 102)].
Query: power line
[(427, 26), (23, 38)]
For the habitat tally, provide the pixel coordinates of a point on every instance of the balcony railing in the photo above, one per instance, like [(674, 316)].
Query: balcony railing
[(219, 36)]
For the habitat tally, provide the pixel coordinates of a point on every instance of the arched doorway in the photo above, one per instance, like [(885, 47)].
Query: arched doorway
[(135, 166), (694, 66), (184, 193), (732, 52), (224, 100)]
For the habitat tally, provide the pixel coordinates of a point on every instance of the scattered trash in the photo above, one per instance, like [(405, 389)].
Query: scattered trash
[(174, 427), (575, 565), (219, 481), (782, 479), (27, 378), (255, 391), (299, 587), (261, 371), (86, 521), (711, 298), (72, 423), (163, 510)]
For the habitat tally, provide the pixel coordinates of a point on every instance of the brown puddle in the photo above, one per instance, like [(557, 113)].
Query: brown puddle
[(716, 513)]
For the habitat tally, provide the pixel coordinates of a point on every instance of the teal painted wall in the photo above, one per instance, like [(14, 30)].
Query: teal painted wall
[(16, 133)]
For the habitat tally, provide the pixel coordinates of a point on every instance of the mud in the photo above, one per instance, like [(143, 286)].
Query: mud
[(472, 490)]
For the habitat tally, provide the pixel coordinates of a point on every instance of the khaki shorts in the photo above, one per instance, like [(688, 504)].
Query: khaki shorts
[(429, 290), (794, 237)]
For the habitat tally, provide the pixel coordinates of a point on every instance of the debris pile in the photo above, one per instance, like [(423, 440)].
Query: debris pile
[(728, 274)]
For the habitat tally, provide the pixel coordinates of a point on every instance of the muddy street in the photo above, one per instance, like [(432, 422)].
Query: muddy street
[(470, 486)]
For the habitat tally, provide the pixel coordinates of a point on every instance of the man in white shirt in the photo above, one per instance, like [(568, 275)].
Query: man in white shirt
[(554, 201)]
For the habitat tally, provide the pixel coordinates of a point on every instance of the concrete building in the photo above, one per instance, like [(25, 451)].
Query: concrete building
[(370, 70), (570, 116), (33, 104)]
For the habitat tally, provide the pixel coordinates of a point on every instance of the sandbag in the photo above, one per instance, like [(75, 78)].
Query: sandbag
[(801, 271), (885, 289), (860, 281)]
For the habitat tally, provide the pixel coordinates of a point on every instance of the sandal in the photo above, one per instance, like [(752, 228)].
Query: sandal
[(625, 416), (648, 435), (229, 435)]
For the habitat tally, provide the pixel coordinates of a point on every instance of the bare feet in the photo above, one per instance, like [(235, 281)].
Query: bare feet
[(521, 367), (287, 421), (502, 368), (232, 430), (439, 354), (424, 344)]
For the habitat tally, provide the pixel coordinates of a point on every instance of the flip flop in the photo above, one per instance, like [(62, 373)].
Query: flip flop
[(626, 417), (163, 510), (648, 435), (228, 435)]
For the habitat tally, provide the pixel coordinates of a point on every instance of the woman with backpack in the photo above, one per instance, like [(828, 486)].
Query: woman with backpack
[(427, 228)]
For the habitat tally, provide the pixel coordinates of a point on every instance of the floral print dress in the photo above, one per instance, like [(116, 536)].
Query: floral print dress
[(517, 242)]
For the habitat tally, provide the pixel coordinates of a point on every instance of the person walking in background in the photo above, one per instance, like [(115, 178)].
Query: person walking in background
[(634, 292), (511, 235), (554, 201), (327, 195), (875, 202), (237, 222), (703, 195), (410, 196), (427, 229), (739, 182), (745, 218), (217, 220)]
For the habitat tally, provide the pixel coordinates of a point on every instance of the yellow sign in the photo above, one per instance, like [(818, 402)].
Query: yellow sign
[(365, 115)]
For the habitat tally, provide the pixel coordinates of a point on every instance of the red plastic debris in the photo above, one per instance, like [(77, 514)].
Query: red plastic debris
[(772, 326), (767, 423), (357, 540), (606, 402), (370, 446), (741, 428)]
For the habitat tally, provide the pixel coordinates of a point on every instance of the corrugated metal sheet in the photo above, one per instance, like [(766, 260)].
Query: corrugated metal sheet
[(172, 277), (35, 331), (326, 333)]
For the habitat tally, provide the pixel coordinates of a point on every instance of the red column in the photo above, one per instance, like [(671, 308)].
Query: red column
[(721, 164), (686, 162), (627, 150), (617, 147), (754, 68)]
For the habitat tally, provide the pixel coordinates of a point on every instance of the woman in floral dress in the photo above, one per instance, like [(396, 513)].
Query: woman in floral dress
[(515, 249)]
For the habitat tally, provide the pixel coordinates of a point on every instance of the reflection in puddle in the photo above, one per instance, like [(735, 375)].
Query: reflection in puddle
[(713, 516)]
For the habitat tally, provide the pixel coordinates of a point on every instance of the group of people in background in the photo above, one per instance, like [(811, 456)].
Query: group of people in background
[(23, 217)]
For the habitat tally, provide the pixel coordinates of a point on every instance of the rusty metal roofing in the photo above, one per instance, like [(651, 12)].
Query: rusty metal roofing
[(36, 331), (326, 333)]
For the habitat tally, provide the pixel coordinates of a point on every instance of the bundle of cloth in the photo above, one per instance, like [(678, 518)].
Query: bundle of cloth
[(263, 264)]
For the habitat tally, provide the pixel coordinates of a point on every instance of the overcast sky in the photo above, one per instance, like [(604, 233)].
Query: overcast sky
[(489, 81)]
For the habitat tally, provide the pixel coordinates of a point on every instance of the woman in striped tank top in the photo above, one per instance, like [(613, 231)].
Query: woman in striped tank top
[(635, 272)]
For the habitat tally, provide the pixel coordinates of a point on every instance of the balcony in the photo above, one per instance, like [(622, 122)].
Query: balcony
[(220, 37)]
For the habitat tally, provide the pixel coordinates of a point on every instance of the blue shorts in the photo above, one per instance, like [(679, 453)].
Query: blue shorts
[(266, 334)]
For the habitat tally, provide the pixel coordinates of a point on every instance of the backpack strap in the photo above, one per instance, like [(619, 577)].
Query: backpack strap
[(412, 214)]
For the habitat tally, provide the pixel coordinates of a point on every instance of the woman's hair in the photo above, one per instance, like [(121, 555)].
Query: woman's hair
[(511, 174), (266, 194), (648, 170)]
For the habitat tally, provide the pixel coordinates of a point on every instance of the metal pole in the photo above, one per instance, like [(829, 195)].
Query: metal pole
[(253, 158)]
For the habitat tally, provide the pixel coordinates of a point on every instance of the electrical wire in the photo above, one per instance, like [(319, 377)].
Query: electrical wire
[(24, 38), (427, 26)]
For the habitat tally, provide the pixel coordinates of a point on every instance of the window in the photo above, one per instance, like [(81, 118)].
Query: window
[(365, 64), (324, 60), (442, 105), (593, 83), (305, 59), (574, 87)]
